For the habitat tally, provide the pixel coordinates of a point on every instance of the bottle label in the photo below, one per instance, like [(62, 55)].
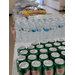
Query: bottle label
[(27, 73), (35, 72), (48, 72), (60, 71)]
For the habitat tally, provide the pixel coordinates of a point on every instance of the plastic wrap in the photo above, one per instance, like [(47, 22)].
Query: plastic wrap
[(26, 38), (20, 5)]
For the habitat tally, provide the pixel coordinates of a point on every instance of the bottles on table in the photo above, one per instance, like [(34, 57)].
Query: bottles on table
[(40, 24)]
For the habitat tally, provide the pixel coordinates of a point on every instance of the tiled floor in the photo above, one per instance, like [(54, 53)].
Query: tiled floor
[(11, 43)]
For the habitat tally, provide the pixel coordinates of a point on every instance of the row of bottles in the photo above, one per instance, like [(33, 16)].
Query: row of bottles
[(40, 24)]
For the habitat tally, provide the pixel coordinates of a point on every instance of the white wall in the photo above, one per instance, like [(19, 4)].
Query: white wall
[(55, 3), (45, 2)]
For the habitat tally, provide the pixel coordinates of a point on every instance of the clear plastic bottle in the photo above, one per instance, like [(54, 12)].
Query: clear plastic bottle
[(50, 17), (30, 19), (40, 27), (24, 19), (49, 22), (26, 26), (53, 18), (22, 24), (59, 16), (52, 26), (47, 18), (61, 23), (36, 24), (46, 26), (36, 20), (56, 23), (17, 25), (34, 27), (64, 19), (42, 20)]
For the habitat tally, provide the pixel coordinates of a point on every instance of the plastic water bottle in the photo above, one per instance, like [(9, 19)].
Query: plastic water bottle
[(31, 24), (56, 23), (45, 19), (52, 26), (26, 26), (36, 24), (61, 23), (30, 20), (22, 26), (42, 20), (46, 26), (17, 25), (59, 16), (53, 18), (36, 20), (49, 22), (24, 19), (50, 17), (34, 27), (40, 27), (64, 18)]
